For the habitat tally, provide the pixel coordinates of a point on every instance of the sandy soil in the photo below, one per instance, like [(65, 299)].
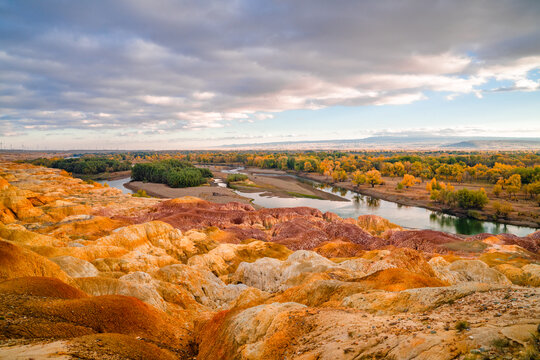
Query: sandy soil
[(215, 194), (526, 212), (279, 186)]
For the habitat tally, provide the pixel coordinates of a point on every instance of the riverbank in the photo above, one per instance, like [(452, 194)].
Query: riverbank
[(216, 194), (275, 186), (524, 214), (418, 196), (271, 186), (104, 176)]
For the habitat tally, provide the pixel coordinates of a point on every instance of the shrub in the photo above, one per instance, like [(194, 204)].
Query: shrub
[(473, 214), (399, 186), (140, 193), (502, 209), (471, 199), (461, 325), (497, 190), (500, 343), (236, 177)]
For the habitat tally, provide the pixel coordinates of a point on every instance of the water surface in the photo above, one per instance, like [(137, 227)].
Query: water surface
[(405, 216), (119, 184), (358, 204)]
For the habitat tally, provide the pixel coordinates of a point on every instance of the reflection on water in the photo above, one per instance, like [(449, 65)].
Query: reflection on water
[(119, 184), (406, 216), (364, 200), (462, 225), (220, 183)]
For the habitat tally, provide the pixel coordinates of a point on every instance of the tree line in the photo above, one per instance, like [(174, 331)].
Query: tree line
[(172, 172), (90, 165)]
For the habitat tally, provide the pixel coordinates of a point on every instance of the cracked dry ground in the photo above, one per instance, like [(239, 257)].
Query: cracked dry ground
[(87, 272)]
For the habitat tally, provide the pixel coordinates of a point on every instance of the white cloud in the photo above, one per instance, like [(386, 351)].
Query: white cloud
[(204, 95), (195, 65), (400, 99)]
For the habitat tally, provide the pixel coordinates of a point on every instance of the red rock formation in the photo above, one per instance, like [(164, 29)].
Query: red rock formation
[(424, 240), (530, 242)]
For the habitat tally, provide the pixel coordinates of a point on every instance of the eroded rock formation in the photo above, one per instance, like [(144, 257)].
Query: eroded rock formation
[(89, 272)]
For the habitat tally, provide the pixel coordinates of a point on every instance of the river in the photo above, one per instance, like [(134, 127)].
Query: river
[(405, 216), (119, 184)]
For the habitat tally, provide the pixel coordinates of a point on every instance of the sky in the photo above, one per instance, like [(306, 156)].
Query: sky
[(171, 74)]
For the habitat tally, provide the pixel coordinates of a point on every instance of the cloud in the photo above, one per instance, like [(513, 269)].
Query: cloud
[(178, 66)]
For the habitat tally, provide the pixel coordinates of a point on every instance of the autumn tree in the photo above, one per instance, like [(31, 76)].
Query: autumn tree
[(533, 189), (373, 177), (308, 167), (502, 209), (409, 180), (399, 169), (358, 178), (513, 184), (339, 175), (326, 167), (434, 185)]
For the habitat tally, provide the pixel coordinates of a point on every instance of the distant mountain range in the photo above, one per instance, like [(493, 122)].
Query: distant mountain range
[(397, 143)]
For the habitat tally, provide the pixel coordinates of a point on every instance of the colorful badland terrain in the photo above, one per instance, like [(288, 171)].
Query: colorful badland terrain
[(88, 272)]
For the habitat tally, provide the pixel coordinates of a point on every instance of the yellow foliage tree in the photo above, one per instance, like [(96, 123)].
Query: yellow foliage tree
[(373, 177), (513, 184), (409, 180), (308, 167), (339, 175), (358, 178)]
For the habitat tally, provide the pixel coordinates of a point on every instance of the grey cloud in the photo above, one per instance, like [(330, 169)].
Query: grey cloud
[(141, 62)]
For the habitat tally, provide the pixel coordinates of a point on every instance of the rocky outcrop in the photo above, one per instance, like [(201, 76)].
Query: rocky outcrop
[(18, 262), (144, 291), (225, 258), (530, 242), (375, 225), (467, 270), (16, 204), (423, 240), (273, 275), (40, 286), (308, 234), (243, 335), (75, 267)]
